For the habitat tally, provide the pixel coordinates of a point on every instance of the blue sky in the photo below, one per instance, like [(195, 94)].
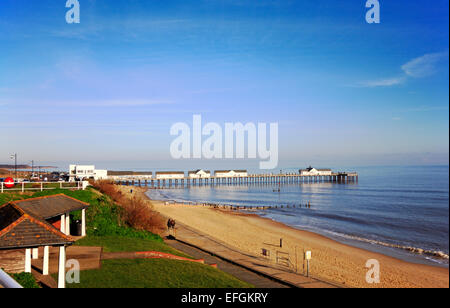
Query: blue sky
[(107, 90)]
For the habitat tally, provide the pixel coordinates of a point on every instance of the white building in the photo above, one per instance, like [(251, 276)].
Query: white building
[(199, 174), (230, 173), (169, 175), (314, 171), (100, 174), (86, 172)]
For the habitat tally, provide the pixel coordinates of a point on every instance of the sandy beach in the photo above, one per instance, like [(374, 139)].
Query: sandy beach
[(331, 260)]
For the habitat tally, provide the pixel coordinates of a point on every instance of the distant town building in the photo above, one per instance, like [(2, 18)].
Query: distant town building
[(169, 175), (313, 171), (199, 174), (230, 173), (86, 172)]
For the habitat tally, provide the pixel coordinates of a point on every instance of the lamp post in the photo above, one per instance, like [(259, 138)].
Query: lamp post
[(15, 163)]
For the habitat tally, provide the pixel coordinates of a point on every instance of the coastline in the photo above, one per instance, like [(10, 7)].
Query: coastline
[(331, 260)]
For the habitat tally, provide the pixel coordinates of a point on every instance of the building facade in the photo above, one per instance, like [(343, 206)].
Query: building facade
[(199, 174), (313, 171), (169, 175), (230, 173), (86, 172)]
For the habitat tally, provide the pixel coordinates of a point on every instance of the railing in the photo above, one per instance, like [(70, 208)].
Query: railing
[(7, 282), (41, 186)]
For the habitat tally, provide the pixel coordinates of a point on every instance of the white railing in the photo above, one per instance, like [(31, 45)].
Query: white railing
[(41, 186), (7, 282)]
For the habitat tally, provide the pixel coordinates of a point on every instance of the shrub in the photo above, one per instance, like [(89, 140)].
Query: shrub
[(135, 212), (104, 217), (26, 280), (138, 215)]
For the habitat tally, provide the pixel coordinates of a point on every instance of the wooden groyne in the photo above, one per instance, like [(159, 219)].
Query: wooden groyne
[(306, 205), (340, 178)]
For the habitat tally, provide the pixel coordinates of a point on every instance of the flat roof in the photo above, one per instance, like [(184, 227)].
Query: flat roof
[(51, 206)]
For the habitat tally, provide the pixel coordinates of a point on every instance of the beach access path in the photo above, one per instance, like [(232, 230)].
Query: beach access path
[(237, 271), (257, 270)]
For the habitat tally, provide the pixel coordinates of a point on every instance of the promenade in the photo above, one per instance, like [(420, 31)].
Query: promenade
[(254, 264)]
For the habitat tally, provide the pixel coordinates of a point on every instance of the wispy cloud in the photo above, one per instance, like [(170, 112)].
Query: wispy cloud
[(124, 103), (127, 28), (388, 82), (95, 103), (425, 65), (419, 67)]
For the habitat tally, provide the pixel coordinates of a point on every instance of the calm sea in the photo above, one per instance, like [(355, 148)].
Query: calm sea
[(399, 211)]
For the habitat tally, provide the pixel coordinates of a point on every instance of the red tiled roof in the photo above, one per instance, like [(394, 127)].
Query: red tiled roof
[(20, 229)]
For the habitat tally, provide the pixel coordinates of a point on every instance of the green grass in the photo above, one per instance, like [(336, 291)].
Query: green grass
[(156, 273), (9, 196), (122, 244), (105, 228), (83, 195), (26, 280)]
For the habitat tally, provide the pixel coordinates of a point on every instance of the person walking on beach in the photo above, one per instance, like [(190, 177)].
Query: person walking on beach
[(171, 225)]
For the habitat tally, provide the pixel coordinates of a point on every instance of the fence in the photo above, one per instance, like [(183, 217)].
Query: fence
[(41, 186)]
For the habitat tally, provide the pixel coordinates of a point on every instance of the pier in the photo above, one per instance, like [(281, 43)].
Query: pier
[(339, 178)]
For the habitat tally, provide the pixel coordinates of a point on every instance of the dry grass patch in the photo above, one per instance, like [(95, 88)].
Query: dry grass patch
[(138, 212)]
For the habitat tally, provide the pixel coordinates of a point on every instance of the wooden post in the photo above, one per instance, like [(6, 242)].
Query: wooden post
[(46, 260), (307, 268), (28, 260), (308, 258), (67, 224), (83, 222), (63, 223), (62, 268)]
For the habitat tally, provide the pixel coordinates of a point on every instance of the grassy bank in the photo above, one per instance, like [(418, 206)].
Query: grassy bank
[(123, 244), (156, 273), (109, 225)]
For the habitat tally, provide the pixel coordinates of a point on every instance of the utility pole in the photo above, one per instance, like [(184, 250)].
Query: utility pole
[(32, 168), (15, 163)]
